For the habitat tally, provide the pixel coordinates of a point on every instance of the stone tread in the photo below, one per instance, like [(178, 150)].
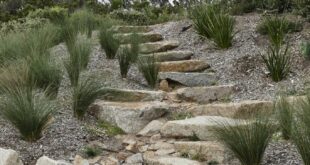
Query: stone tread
[(183, 66), (144, 37), (173, 55), (190, 79)]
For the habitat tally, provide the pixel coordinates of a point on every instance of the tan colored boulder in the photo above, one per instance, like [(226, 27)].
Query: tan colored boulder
[(161, 46), (164, 86), (143, 37), (151, 129), (9, 157), (174, 55), (44, 160), (183, 66)]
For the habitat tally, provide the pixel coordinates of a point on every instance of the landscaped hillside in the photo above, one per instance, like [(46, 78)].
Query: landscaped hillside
[(190, 84)]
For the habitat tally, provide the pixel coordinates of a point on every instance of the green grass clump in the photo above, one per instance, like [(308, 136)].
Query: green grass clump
[(107, 41), (211, 22), (85, 93), (110, 129), (248, 141), (84, 21), (285, 117), (150, 69), (305, 48), (91, 152), (29, 112), (278, 62)]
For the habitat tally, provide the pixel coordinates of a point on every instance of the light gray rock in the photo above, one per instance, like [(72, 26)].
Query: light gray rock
[(44, 160), (169, 160), (245, 109), (176, 55), (161, 46), (127, 95), (9, 157), (152, 128), (189, 79), (136, 158), (78, 160), (200, 126), (183, 66), (131, 117), (143, 37), (205, 94), (131, 29)]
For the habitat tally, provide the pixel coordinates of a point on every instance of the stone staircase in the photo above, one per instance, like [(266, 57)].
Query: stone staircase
[(154, 139)]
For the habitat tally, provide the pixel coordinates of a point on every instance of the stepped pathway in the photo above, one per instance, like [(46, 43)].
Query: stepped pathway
[(152, 137)]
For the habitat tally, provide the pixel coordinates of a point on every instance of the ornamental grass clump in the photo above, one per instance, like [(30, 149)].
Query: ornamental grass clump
[(107, 41), (150, 69), (84, 21), (284, 113), (278, 62), (247, 141), (305, 48)]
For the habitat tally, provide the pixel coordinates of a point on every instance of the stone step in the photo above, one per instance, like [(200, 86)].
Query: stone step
[(131, 29), (208, 151), (131, 117), (169, 160), (204, 95), (127, 95), (161, 46), (9, 157), (189, 79), (200, 127), (143, 37), (183, 66), (175, 55), (243, 110)]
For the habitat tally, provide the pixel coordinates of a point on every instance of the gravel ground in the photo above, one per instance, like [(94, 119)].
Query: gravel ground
[(240, 65)]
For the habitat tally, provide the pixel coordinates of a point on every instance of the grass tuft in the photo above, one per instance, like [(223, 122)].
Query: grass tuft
[(91, 152), (150, 69), (110, 129), (107, 41), (285, 117), (305, 48)]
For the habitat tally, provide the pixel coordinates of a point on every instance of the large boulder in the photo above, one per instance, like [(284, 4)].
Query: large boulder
[(209, 151), (143, 37), (131, 117), (127, 95), (44, 160), (9, 157), (200, 126), (131, 29), (189, 79), (245, 109), (183, 66), (175, 55), (205, 94), (169, 160), (154, 47)]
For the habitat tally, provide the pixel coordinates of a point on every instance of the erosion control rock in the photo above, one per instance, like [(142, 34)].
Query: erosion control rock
[(200, 126), (189, 79), (244, 109), (9, 157), (131, 117), (171, 55), (131, 29), (126, 95), (154, 47), (205, 94), (183, 66), (143, 37)]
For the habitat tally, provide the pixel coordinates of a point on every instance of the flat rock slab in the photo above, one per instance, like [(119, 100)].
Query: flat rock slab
[(200, 126), (169, 160), (131, 117), (189, 79), (243, 110), (161, 46), (9, 157), (210, 151), (44, 160), (152, 128), (183, 66), (143, 37), (205, 94), (131, 29), (171, 55), (126, 95)]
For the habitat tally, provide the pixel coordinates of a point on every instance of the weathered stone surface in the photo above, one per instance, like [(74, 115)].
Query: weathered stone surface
[(244, 109), (78, 160), (152, 128), (189, 79), (210, 151), (154, 47), (183, 66), (169, 160), (9, 157), (136, 158), (164, 86), (131, 117), (200, 126), (131, 29), (176, 55), (126, 95), (44, 160), (143, 37), (205, 94)]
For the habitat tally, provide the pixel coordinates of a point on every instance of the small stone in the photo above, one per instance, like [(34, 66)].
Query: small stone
[(136, 158), (78, 160), (155, 138), (9, 157), (164, 86)]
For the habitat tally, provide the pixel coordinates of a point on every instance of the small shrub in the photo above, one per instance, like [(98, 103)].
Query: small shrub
[(107, 41), (91, 152), (29, 112), (85, 93), (305, 48), (110, 129), (278, 62), (130, 17), (248, 141), (116, 4), (285, 117), (55, 14), (150, 69)]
